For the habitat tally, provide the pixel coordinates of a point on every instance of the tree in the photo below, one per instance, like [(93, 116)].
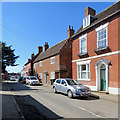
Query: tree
[(8, 56)]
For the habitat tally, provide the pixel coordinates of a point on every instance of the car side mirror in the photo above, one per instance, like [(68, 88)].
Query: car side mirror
[(65, 84)]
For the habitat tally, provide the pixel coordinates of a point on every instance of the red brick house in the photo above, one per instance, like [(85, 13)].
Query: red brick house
[(96, 50), (28, 67), (56, 61)]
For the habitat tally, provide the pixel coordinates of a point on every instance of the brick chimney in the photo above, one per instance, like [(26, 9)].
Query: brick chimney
[(32, 56), (28, 60), (90, 11), (46, 46), (40, 49), (70, 31)]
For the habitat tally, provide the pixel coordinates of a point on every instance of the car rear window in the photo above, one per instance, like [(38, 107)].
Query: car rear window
[(58, 81), (33, 78)]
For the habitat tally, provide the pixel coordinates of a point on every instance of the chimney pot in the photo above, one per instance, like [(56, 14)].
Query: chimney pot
[(28, 60), (32, 56), (69, 27), (70, 31)]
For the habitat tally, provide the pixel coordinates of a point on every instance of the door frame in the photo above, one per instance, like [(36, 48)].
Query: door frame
[(98, 65)]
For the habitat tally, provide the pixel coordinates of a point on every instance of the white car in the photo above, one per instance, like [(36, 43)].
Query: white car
[(12, 78), (71, 87), (32, 80)]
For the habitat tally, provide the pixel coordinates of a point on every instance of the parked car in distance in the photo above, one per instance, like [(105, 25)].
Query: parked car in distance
[(20, 78), (12, 78), (71, 87), (32, 80), (24, 80)]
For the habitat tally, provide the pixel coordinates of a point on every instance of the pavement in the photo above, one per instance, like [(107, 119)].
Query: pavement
[(10, 109), (102, 95)]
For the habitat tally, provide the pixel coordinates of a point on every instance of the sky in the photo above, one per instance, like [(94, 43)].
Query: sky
[(27, 25)]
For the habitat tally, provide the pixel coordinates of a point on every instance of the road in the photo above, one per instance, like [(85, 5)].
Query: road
[(40, 100)]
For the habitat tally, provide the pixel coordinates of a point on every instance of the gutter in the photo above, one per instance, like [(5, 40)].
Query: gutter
[(96, 23)]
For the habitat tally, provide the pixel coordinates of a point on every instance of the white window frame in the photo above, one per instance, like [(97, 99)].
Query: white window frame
[(105, 26), (34, 66), (80, 64), (51, 60), (40, 63), (86, 21), (41, 76), (52, 76), (80, 38)]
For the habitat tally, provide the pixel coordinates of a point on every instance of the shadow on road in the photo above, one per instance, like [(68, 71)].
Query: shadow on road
[(9, 108), (92, 97), (15, 86), (32, 109)]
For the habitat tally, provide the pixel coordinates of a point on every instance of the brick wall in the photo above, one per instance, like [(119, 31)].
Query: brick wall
[(92, 45), (66, 58), (46, 66)]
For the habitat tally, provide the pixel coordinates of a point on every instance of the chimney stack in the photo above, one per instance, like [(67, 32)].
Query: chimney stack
[(28, 60), (70, 31), (46, 46), (32, 56), (40, 49), (90, 11)]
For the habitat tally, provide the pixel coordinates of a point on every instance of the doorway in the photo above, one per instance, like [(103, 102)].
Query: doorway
[(46, 78), (103, 77)]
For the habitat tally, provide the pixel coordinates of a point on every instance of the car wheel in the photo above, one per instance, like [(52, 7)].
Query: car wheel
[(70, 94), (54, 89)]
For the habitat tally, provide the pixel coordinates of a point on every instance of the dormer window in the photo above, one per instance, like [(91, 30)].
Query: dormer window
[(86, 21)]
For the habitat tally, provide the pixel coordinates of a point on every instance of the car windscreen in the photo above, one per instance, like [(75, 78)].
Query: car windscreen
[(33, 78), (13, 77), (73, 82)]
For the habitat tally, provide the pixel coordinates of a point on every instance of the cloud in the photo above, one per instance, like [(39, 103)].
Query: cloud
[(14, 69)]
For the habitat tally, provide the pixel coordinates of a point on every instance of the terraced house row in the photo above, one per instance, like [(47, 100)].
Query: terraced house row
[(91, 55)]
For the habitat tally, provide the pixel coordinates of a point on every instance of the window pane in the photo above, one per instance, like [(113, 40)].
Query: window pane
[(83, 67), (88, 75), (88, 67), (79, 75), (104, 31), (63, 82), (102, 38), (78, 68), (99, 43), (83, 42), (83, 75), (58, 81)]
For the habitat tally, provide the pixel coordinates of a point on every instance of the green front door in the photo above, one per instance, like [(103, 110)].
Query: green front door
[(103, 77)]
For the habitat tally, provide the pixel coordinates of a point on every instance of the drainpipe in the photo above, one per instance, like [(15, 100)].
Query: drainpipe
[(107, 78), (97, 88)]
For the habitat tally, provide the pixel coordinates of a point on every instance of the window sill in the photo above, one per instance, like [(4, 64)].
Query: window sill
[(102, 50), (84, 80), (81, 55)]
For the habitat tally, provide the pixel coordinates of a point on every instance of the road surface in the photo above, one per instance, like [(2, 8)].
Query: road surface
[(40, 100)]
